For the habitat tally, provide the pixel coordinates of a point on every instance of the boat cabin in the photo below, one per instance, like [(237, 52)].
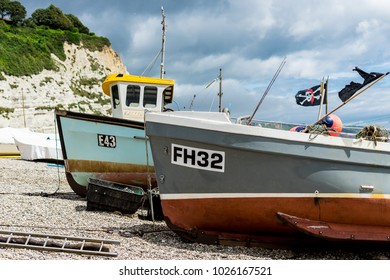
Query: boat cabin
[(132, 95)]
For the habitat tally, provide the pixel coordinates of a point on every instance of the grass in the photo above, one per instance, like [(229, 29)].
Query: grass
[(4, 112), (27, 51)]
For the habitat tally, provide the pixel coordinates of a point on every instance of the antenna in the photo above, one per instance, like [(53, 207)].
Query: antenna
[(220, 90), (162, 69), (212, 82), (268, 88), (206, 87)]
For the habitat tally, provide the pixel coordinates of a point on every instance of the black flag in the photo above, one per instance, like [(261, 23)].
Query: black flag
[(309, 97), (353, 87)]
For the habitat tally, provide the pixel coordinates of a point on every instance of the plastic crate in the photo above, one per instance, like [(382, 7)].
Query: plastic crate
[(110, 196)]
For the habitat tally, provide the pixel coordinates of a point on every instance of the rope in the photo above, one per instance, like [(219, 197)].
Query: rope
[(58, 167), (149, 178), (373, 133), (151, 64), (320, 129)]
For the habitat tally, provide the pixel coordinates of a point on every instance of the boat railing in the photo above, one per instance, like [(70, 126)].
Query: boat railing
[(267, 124), (347, 132), (243, 120)]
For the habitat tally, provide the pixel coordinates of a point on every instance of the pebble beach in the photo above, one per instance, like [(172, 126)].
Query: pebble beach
[(36, 198)]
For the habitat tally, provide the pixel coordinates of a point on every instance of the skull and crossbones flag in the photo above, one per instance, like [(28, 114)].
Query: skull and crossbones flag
[(353, 87), (310, 97)]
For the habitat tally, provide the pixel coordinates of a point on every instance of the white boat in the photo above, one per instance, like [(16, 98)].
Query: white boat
[(38, 146)]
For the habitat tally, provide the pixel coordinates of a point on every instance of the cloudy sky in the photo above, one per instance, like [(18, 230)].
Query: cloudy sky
[(248, 40)]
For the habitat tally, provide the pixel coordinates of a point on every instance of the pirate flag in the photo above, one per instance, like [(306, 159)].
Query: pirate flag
[(353, 87), (309, 97)]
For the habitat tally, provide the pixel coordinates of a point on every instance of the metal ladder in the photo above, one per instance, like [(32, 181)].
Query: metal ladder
[(58, 243)]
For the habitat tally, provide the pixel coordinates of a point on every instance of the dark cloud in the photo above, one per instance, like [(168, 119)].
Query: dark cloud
[(247, 39)]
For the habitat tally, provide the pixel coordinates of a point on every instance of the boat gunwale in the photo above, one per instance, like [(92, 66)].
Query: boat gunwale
[(204, 123), (102, 119)]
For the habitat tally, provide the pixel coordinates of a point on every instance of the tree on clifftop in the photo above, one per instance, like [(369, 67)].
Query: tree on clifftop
[(17, 11), (4, 8), (12, 10), (78, 24), (52, 17)]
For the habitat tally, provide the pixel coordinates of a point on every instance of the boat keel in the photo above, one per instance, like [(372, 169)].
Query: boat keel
[(210, 237), (336, 231)]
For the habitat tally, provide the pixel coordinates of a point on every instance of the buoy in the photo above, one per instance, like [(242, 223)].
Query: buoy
[(334, 124), (297, 128)]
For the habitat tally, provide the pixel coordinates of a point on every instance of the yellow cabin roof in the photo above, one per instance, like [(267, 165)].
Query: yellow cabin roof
[(126, 78)]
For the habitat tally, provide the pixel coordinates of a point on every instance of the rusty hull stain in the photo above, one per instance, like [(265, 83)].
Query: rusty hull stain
[(105, 167)]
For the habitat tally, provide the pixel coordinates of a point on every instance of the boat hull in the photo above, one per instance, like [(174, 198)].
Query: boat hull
[(44, 150), (261, 172), (9, 150), (103, 148), (254, 220)]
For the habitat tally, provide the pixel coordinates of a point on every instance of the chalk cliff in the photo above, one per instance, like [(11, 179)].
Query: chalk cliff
[(29, 101)]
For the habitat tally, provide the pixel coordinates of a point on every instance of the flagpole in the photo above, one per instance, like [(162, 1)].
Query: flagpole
[(322, 97), (326, 92), (346, 101)]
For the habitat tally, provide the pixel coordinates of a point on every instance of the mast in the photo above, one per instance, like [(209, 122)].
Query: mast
[(162, 70), (24, 114), (220, 90)]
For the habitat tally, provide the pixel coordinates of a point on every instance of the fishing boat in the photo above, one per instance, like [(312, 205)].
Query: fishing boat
[(113, 148), (223, 182)]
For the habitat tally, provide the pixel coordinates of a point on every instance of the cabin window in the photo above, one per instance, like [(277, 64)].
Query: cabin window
[(115, 96), (168, 95), (133, 95), (150, 97)]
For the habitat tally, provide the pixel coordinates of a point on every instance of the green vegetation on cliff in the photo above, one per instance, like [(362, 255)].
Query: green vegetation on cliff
[(26, 45)]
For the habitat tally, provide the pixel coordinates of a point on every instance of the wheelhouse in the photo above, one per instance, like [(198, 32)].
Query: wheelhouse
[(132, 95)]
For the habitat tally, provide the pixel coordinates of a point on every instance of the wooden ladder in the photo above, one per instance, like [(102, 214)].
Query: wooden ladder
[(58, 243)]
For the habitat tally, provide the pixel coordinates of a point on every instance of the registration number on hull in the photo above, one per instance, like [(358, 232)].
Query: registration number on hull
[(198, 158), (108, 141)]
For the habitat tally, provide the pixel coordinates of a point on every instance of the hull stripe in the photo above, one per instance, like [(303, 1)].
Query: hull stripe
[(270, 195)]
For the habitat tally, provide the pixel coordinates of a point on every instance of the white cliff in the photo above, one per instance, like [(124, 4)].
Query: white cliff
[(29, 101)]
